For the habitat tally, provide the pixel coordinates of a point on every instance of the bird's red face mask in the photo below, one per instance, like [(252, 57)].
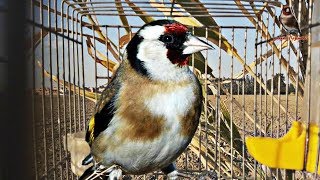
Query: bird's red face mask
[(181, 43)]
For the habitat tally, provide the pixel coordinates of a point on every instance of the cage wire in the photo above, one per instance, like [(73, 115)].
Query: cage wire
[(250, 88)]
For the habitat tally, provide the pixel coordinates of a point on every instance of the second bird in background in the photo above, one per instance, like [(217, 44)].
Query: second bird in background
[(289, 21)]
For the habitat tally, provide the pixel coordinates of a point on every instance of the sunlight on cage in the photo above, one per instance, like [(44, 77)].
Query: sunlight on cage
[(249, 89)]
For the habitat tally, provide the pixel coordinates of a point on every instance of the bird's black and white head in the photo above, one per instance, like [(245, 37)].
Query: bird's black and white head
[(161, 50)]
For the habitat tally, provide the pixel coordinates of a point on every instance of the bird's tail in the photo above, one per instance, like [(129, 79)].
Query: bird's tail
[(87, 173), (94, 172)]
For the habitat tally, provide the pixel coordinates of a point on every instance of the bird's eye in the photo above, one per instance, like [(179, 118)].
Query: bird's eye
[(167, 39), (287, 10)]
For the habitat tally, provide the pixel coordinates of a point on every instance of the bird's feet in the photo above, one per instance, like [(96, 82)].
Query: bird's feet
[(294, 32), (175, 175), (116, 173)]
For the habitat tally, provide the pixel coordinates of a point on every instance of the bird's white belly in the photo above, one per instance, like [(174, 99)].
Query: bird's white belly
[(138, 157)]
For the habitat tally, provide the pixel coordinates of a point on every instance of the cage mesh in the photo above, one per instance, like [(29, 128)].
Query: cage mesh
[(250, 88)]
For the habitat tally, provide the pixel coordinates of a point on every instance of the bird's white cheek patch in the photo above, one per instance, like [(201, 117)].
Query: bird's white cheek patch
[(154, 55), (152, 51), (152, 32)]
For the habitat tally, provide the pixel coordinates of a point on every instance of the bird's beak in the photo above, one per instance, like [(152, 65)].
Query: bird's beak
[(194, 44)]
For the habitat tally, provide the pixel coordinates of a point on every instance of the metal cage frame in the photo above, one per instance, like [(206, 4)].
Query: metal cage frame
[(60, 97)]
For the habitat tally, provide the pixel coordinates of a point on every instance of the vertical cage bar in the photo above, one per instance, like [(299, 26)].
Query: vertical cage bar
[(44, 126), (206, 101), (33, 58), (265, 82), (69, 73), (298, 58), (78, 74), (278, 87), (199, 140), (255, 101), (107, 53), (218, 98), (308, 88), (58, 85), (287, 84), (83, 78), (231, 106), (244, 104), (64, 101), (95, 64), (311, 20), (193, 70), (272, 78), (310, 38), (192, 56), (118, 33), (278, 173), (74, 58), (260, 78), (69, 78), (51, 91)]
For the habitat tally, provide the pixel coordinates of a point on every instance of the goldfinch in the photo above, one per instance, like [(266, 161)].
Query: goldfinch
[(149, 112), (289, 21)]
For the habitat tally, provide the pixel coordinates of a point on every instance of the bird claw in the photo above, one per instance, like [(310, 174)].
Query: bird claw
[(175, 175), (115, 174)]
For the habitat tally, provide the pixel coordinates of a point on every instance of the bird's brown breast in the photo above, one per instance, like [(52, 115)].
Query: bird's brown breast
[(289, 21), (137, 119)]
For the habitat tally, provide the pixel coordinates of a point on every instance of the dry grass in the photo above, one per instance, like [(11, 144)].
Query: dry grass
[(265, 115)]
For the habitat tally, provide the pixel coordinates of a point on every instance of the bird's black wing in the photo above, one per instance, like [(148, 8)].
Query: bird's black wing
[(104, 110), (295, 17)]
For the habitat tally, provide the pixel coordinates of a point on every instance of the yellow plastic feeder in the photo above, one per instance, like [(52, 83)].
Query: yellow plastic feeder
[(287, 152)]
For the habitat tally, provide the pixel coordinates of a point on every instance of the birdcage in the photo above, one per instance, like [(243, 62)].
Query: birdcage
[(253, 81)]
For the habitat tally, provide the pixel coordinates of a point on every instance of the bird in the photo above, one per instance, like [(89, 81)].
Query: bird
[(289, 21), (149, 112)]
